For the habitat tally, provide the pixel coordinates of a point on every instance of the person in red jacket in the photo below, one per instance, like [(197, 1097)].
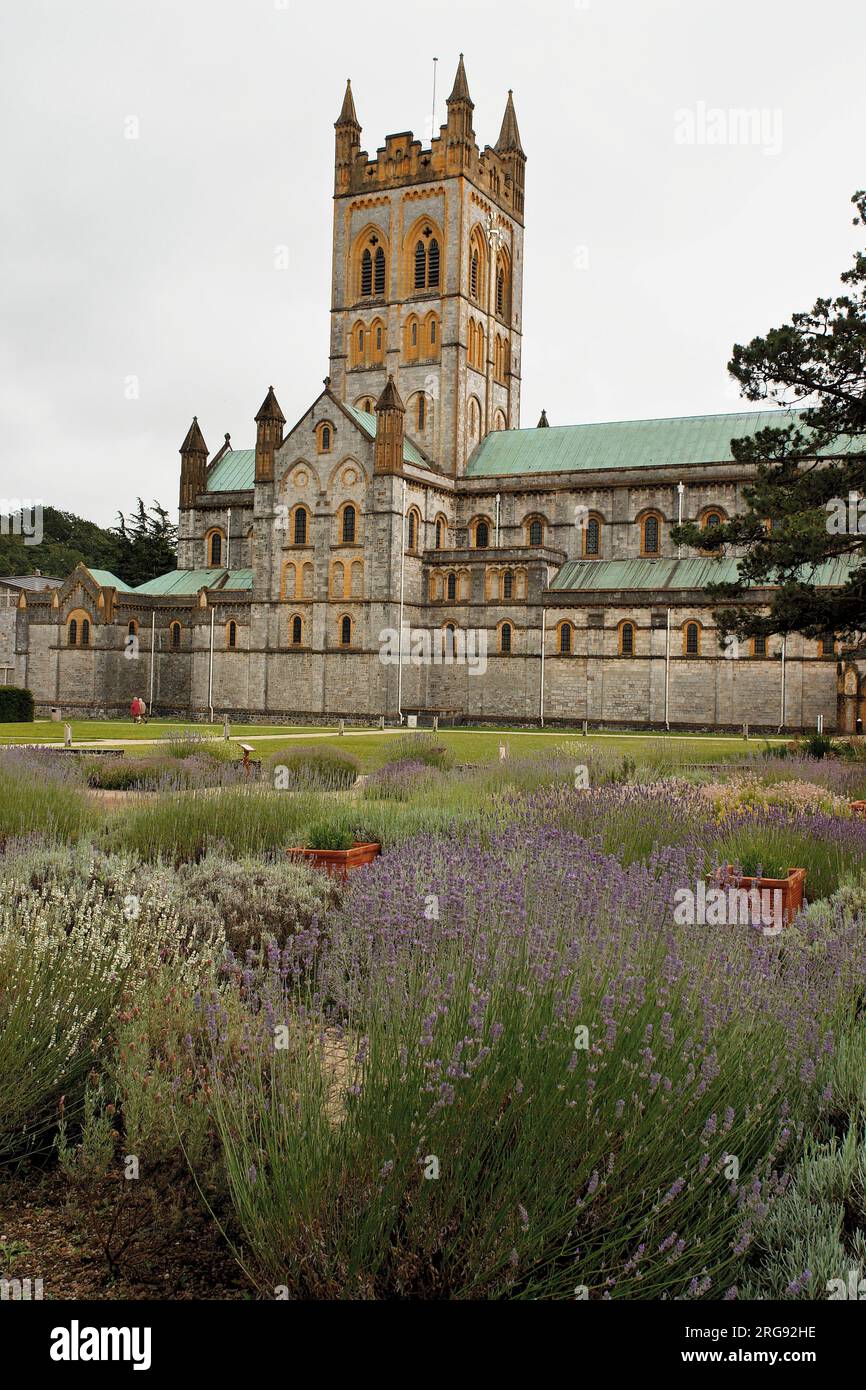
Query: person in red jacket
[(135, 710)]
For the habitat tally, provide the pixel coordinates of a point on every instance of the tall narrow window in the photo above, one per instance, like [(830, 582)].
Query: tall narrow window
[(482, 535), (626, 639), (73, 632), (414, 332), (297, 631), (536, 532), (508, 585), (592, 537), (438, 535), (565, 639), (380, 271), (412, 529), (505, 638), (692, 645), (420, 266), (348, 524), (759, 646), (473, 275), (422, 413), (651, 536), (366, 273), (500, 292), (174, 636), (85, 632), (433, 264), (346, 632), (300, 532), (452, 586), (216, 548), (232, 636)]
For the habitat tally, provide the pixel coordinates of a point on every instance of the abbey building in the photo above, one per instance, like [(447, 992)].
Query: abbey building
[(536, 563)]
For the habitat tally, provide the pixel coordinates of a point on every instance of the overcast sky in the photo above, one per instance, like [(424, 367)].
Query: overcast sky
[(148, 265)]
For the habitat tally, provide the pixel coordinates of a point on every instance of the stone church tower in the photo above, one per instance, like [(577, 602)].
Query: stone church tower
[(427, 279)]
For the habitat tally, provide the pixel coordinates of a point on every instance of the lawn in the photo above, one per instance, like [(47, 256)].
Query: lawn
[(372, 747)]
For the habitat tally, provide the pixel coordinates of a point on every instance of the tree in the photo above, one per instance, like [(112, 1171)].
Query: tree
[(807, 504), (147, 544)]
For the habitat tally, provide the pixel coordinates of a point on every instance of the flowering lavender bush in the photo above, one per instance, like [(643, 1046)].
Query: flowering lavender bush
[(510, 1076), (399, 780)]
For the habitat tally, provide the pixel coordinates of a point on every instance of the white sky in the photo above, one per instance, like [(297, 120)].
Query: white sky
[(646, 258)]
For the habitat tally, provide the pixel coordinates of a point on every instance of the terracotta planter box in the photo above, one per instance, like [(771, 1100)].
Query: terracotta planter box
[(338, 863), (792, 888)]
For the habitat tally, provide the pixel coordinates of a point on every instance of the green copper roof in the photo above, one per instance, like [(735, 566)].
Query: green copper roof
[(239, 579), (184, 582), (616, 576), (368, 425), (673, 443), (235, 472), (108, 580)]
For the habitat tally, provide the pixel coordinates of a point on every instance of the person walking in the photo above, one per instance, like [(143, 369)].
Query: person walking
[(134, 711), (142, 709)]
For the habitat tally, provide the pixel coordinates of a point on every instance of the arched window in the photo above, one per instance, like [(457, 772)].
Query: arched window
[(174, 637), (503, 285), (413, 522), (373, 266), (565, 639), (712, 519), (431, 337), (476, 346), (451, 587), (482, 535), (691, 639), (232, 636), (508, 584), (422, 413), (478, 266), (535, 531), (132, 628), (338, 580), (73, 631), (377, 342), (474, 423), (345, 632), (499, 421), (626, 639), (85, 632), (759, 646), (500, 358), (450, 640), (348, 524), (505, 638), (592, 537), (297, 631), (215, 549), (357, 344), (325, 439), (650, 535), (300, 528), (439, 533)]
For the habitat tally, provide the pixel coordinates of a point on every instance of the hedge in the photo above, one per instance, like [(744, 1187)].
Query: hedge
[(16, 705)]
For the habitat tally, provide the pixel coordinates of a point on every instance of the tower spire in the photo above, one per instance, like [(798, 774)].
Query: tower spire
[(509, 135), (460, 91), (348, 115)]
